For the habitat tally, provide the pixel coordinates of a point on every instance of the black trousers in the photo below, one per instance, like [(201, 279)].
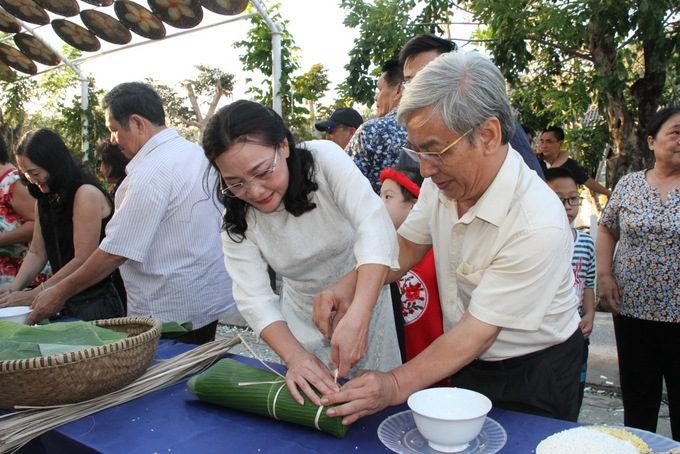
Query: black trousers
[(544, 383), (649, 353), (199, 336)]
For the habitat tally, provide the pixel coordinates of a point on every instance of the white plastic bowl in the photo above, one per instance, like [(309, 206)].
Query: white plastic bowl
[(449, 418), (17, 314)]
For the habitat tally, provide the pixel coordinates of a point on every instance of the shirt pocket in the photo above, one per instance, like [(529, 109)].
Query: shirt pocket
[(467, 279)]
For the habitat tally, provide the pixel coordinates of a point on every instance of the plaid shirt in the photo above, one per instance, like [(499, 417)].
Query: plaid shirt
[(376, 145)]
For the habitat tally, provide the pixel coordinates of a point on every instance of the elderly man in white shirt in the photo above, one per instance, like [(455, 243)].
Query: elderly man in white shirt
[(502, 250), (165, 233)]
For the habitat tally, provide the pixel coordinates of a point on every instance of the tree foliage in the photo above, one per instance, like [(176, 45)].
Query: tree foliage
[(564, 56), (384, 25), (191, 106), (310, 88)]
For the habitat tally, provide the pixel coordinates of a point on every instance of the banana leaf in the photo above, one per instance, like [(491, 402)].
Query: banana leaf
[(242, 387), (19, 341), (172, 330)]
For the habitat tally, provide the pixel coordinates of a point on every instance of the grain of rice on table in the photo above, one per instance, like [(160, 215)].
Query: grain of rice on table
[(585, 440)]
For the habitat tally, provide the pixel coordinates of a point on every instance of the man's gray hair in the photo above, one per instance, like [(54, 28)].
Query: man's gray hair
[(466, 88)]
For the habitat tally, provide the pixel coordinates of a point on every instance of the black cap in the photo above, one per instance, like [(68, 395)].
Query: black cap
[(342, 116)]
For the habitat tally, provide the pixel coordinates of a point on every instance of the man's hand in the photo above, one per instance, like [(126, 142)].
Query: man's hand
[(46, 304), (367, 393)]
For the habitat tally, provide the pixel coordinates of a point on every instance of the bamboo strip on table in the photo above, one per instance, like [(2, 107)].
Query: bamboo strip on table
[(21, 427)]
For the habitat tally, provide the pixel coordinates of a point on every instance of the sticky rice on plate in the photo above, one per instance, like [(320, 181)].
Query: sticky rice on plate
[(595, 440)]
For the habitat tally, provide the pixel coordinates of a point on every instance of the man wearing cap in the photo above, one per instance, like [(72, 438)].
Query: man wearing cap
[(341, 125), (377, 143)]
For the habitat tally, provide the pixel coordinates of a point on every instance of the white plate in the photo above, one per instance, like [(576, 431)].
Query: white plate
[(656, 442), (399, 433)]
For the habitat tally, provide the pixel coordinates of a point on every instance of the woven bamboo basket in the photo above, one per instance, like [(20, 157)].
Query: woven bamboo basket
[(83, 374)]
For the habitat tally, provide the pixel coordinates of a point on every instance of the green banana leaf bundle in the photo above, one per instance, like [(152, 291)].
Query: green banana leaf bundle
[(242, 387), (19, 341)]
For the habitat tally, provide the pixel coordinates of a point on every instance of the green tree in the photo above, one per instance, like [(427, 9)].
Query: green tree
[(384, 25), (620, 55), (310, 88), (70, 125), (258, 59), (191, 107)]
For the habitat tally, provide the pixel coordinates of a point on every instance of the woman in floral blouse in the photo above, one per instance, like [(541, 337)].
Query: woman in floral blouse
[(639, 284), (16, 220)]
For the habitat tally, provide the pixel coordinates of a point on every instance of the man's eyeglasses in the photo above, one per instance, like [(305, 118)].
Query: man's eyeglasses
[(434, 157), (573, 201), (238, 189)]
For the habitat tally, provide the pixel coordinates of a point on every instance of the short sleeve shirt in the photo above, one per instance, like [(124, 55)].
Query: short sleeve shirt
[(646, 265), (507, 260)]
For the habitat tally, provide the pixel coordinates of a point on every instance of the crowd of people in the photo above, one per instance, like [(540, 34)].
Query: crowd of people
[(429, 246)]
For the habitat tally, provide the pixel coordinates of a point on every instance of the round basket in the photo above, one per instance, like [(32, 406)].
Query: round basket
[(83, 374)]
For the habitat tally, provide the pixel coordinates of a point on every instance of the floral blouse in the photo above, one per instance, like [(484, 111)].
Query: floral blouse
[(376, 145), (647, 262)]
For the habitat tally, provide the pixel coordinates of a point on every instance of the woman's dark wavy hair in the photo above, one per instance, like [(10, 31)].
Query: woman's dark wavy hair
[(45, 148), (247, 121), (4, 151), (111, 155)]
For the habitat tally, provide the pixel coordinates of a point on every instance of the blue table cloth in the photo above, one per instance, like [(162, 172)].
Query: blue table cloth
[(169, 421)]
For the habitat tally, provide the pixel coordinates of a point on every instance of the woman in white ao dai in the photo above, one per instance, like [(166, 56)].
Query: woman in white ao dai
[(311, 236)]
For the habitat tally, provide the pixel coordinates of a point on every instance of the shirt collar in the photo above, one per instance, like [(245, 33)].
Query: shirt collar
[(154, 142), (494, 204)]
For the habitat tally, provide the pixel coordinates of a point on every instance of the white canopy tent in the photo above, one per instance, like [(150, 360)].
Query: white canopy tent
[(276, 32)]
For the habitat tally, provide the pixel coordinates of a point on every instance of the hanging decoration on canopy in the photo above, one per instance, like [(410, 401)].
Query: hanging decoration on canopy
[(36, 50), (75, 35), (5, 72), (66, 8), (105, 27), (26, 10), (178, 13), (139, 19), (132, 17), (12, 57), (8, 24), (225, 7)]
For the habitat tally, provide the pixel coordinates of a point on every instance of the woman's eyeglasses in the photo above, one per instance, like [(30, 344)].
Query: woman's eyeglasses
[(434, 157), (238, 189)]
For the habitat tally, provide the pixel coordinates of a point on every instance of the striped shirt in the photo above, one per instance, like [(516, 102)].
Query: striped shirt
[(168, 227), (583, 264)]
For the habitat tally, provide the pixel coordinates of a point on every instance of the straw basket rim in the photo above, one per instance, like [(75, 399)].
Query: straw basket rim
[(62, 359)]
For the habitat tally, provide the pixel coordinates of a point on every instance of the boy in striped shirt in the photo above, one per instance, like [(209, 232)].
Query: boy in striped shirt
[(563, 183)]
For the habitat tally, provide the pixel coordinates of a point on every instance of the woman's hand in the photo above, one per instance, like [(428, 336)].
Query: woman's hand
[(609, 294), (331, 304), (349, 342), (306, 370), (24, 298)]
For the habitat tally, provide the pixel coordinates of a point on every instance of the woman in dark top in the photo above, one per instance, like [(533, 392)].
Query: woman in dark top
[(72, 212)]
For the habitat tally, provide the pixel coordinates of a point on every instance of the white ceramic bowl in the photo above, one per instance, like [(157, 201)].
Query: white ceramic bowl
[(449, 418), (17, 314)]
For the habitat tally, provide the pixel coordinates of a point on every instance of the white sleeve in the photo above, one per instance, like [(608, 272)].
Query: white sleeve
[(252, 290), (376, 238)]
